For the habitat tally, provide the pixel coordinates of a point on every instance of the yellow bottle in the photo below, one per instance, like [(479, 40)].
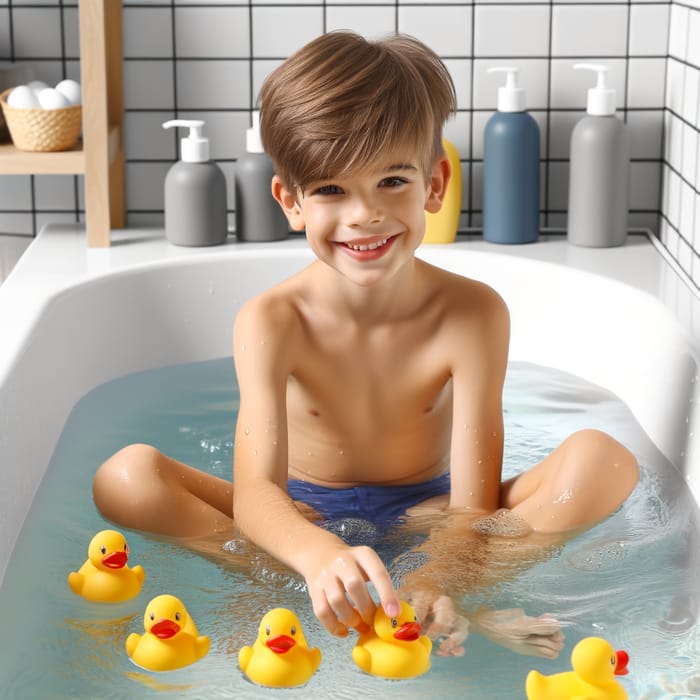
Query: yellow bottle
[(442, 227)]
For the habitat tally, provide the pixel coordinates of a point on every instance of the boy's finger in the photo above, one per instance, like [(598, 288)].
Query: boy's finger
[(376, 572)]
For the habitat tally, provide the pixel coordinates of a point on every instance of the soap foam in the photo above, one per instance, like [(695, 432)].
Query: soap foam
[(502, 523)]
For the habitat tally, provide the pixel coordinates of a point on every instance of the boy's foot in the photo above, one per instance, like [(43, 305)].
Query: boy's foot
[(513, 629)]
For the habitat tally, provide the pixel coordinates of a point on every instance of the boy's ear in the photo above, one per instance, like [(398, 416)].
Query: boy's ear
[(288, 201), (439, 179)]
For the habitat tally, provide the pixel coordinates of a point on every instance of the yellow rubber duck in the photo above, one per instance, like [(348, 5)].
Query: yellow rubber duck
[(393, 647), (595, 664), (280, 656), (105, 577), (171, 640)]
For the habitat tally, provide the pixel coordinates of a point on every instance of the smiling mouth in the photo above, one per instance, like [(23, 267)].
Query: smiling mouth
[(363, 247)]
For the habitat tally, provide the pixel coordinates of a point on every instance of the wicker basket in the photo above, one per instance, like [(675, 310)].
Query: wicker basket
[(42, 129)]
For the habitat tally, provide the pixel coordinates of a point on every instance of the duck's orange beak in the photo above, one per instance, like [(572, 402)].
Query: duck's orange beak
[(408, 632), (115, 560), (622, 661), (165, 629), (280, 644)]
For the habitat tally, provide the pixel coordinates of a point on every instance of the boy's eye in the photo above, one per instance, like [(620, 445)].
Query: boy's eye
[(328, 190), (393, 181)]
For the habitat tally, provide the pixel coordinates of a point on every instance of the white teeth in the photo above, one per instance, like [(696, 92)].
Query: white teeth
[(370, 246)]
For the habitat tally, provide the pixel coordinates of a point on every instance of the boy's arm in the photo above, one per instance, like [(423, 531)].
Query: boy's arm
[(266, 339), (478, 344)]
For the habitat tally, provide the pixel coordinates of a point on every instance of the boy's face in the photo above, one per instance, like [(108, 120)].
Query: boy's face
[(367, 225)]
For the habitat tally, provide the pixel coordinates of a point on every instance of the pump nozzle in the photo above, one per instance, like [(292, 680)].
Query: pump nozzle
[(194, 148), (253, 142), (601, 99), (511, 98)]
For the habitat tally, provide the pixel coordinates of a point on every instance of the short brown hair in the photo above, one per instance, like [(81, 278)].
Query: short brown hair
[(341, 101)]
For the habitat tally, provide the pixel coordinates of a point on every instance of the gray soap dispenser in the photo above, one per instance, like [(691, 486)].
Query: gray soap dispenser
[(258, 216), (599, 171), (195, 192)]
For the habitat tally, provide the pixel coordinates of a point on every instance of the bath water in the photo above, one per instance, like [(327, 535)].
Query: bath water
[(632, 578)]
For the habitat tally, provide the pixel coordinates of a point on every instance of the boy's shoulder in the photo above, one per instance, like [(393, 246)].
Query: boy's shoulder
[(273, 312), (465, 293)]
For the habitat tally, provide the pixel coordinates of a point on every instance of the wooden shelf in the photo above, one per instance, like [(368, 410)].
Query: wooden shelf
[(71, 162), (100, 157), (16, 162)]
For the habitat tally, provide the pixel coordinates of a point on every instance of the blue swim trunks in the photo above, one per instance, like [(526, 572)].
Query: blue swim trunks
[(382, 505)]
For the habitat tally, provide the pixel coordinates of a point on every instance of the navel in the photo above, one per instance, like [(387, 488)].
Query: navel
[(313, 412)]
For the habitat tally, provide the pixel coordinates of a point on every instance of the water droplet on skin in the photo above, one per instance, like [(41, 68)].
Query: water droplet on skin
[(243, 347), (255, 453), (247, 430), (341, 452), (480, 461)]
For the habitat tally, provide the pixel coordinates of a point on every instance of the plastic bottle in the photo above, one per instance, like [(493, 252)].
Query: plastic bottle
[(195, 192), (258, 216), (511, 168), (442, 227), (599, 171)]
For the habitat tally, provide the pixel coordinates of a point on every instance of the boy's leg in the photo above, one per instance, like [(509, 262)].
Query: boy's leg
[(581, 482), (143, 489)]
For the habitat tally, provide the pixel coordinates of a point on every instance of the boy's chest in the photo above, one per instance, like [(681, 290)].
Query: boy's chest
[(391, 375)]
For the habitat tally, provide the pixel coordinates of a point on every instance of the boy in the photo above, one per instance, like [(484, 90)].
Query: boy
[(371, 381)]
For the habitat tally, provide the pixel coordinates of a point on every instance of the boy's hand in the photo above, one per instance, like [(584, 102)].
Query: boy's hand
[(442, 622), (337, 583)]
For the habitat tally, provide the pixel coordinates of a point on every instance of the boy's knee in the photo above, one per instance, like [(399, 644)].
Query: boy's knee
[(600, 450), (118, 480)]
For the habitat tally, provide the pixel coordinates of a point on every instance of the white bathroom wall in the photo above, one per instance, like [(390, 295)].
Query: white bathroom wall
[(208, 59)]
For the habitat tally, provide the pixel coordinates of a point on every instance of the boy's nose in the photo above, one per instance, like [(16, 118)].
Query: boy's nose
[(364, 211)]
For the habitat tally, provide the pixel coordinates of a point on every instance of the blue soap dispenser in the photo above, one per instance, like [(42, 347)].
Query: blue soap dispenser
[(511, 167)]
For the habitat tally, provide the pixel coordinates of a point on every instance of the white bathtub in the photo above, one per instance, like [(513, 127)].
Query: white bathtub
[(72, 318)]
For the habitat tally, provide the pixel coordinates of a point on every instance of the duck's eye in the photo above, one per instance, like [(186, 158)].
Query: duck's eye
[(613, 660), (268, 630), (126, 547), (394, 622), (177, 616), (294, 631), (103, 549), (152, 616)]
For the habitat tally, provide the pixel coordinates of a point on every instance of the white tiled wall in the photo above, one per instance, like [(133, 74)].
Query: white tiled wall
[(208, 59), (680, 205)]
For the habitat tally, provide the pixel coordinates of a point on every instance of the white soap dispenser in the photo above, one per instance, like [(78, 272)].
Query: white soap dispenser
[(195, 192), (599, 170)]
